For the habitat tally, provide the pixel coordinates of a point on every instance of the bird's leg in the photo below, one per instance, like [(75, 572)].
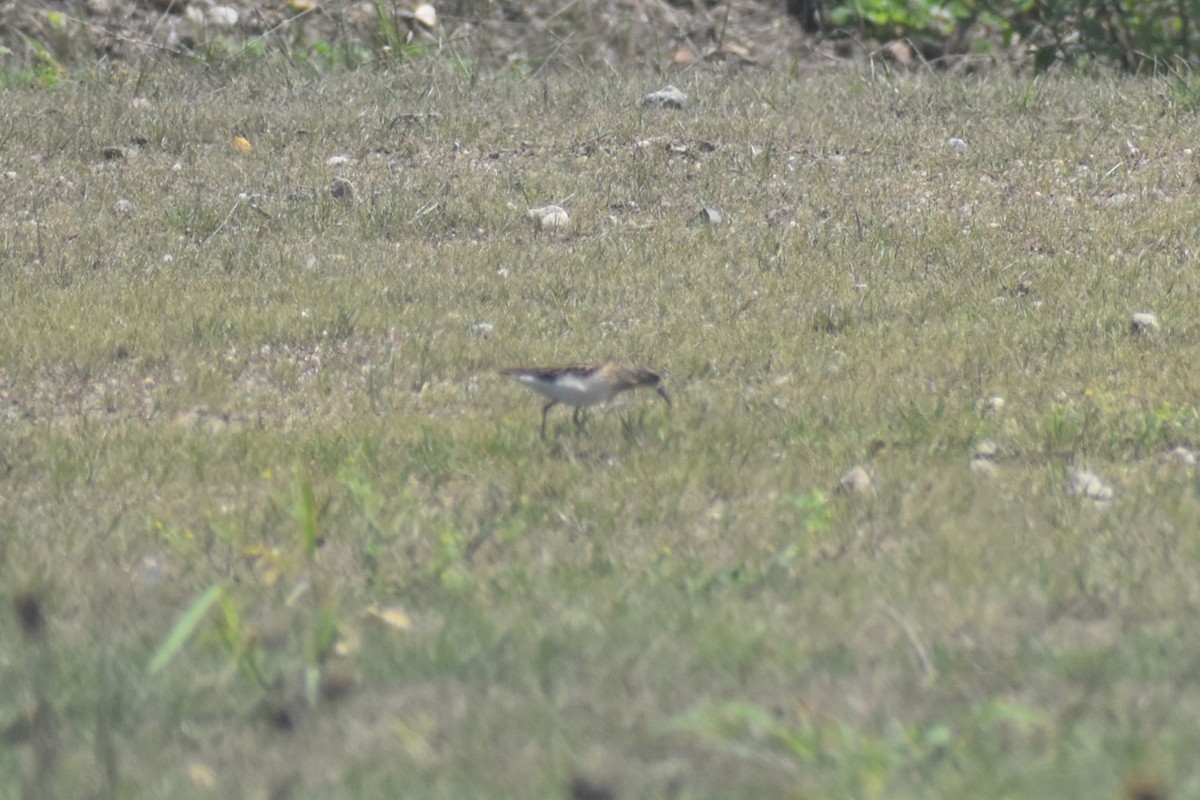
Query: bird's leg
[(546, 409)]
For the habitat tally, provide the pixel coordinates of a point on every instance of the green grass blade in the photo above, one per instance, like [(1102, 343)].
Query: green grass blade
[(183, 629), (306, 512)]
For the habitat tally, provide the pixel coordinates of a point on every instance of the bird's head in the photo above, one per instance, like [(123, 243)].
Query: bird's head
[(648, 379)]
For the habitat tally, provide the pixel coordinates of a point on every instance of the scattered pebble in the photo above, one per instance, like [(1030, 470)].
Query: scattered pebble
[(1143, 322), (124, 207), (219, 16), (1087, 484), (669, 97), (425, 14), (1182, 455), (781, 217), (994, 404), (706, 216), (483, 330), (548, 218), (983, 457), (856, 481), (338, 161), (959, 145), (342, 189), (223, 16), (252, 200), (985, 449)]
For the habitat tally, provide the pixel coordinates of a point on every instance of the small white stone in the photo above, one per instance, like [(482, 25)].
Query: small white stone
[(338, 161), (483, 330), (959, 145), (1087, 484), (223, 16), (670, 97), (1143, 322), (124, 207), (706, 216), (985, 449), (856, 480), (994, 404), (548, 218), (1182, 455), (426, 14)]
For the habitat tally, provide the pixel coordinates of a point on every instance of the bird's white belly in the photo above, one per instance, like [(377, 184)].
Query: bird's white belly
[(571, 390)]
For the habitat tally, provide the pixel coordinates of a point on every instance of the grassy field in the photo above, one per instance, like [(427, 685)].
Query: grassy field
[(273, 527)]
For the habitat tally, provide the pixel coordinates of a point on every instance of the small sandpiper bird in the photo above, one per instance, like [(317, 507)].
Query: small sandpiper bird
[(582, 385)]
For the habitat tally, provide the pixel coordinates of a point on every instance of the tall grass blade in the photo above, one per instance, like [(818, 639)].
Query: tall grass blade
[(306, 514), (183, 629)]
